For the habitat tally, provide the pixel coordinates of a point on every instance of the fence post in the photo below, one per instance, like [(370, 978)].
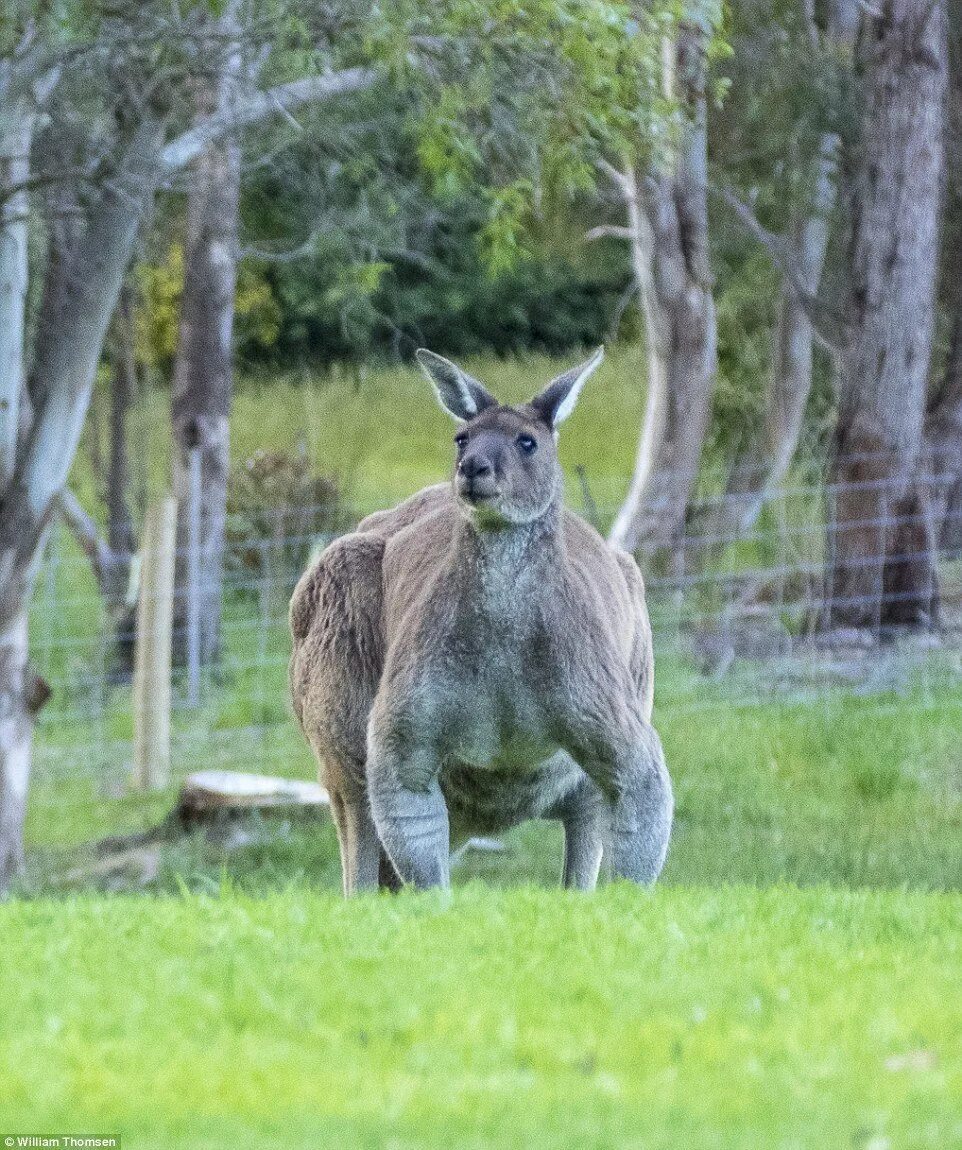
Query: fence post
[(192, 581), (155, 608)]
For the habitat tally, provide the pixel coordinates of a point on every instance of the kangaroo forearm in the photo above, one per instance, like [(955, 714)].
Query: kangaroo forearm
[(412, 825)]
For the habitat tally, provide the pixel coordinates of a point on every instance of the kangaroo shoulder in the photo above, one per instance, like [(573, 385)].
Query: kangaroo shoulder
[(422, 504), (630, 571), (607, 567)]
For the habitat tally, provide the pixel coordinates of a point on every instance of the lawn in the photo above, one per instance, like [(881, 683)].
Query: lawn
[(684, 1018)]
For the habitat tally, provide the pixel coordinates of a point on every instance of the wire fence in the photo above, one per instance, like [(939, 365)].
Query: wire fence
[(740, 618)]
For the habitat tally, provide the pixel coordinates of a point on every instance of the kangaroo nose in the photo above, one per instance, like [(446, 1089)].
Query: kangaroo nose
[(474, 466)]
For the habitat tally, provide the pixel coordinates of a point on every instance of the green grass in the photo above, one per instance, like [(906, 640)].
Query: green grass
[(695, 1018), (382, 433), (795, 980)]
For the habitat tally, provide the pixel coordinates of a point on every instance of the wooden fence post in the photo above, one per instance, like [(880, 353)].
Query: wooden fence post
[(155, 610)]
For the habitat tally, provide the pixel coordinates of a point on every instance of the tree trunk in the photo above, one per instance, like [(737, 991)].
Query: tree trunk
[(123, 389), (203, 374), (22, 695), (943, 436), (943, 424), (668, 219), (881, 541), (16, 129)]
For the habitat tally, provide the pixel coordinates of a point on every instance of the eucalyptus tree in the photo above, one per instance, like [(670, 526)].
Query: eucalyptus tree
[(666, 203), (882, 553), (111, 84)]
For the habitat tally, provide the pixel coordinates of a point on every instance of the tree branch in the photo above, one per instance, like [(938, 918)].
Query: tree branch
[(609, 231), (827, 322), (84, 530), (624, 181), (281, 100)]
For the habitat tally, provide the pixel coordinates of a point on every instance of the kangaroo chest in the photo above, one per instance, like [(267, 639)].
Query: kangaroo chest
[(497, 696), (500, 761)]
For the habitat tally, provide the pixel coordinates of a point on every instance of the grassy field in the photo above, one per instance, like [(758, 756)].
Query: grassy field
[(845, 791), (795, 981), (687, 1018), (382, 433)]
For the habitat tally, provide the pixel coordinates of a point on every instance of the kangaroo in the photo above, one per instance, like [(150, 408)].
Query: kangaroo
[(479, 656)]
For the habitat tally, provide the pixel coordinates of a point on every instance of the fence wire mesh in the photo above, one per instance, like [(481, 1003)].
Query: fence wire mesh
[(738, 618)]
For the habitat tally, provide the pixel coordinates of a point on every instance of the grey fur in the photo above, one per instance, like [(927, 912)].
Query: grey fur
[(479, 656)]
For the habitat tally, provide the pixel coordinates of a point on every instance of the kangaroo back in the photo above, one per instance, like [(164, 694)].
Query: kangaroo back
[(338, 652)]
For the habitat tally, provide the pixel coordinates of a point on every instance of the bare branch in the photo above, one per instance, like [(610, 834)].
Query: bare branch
[(624, 180), (84, 530), (609, 231), (281, 100), (828, 324)]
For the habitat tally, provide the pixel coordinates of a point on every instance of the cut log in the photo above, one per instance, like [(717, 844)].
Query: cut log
[(208, 794)]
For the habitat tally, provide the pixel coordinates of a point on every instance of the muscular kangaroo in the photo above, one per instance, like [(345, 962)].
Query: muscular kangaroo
[(479, 656)]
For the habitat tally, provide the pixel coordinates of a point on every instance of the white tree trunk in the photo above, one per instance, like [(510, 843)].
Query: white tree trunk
[(668, 220), (16, 129), (16, 732)]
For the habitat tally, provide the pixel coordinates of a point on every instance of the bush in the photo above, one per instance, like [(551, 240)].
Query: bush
[(278, 511)]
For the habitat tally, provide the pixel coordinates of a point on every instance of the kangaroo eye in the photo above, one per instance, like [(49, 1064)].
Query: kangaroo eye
[(461, 441), (527, 443)]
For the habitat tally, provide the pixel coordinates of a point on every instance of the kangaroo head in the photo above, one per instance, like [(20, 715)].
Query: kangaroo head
[(506, 464)]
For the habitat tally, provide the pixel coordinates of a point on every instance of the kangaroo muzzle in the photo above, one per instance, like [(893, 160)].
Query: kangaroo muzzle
[(476, 478)]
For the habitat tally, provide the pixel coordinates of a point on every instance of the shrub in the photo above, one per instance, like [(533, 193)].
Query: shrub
[(278, 511)]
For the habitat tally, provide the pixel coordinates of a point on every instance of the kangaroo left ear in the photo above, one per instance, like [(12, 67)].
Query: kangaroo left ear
[(558, 399)]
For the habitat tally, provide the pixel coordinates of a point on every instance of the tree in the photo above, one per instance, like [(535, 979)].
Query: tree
[(667, 211), (882, 558), (943, 418), (142, 64), (203, 375)]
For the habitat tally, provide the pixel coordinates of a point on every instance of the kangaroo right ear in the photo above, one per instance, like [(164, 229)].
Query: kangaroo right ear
[(460, 394)]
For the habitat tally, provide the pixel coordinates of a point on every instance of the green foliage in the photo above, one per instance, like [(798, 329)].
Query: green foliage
[(277, 509), (449, 301), (745, 300), (160, 285), (159, 288), (522, 98)]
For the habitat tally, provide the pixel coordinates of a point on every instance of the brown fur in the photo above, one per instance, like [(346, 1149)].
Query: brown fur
[(484, 656)]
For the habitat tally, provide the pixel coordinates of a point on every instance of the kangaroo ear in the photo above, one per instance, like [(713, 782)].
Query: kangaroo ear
[(558, 399), (458, 393)]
